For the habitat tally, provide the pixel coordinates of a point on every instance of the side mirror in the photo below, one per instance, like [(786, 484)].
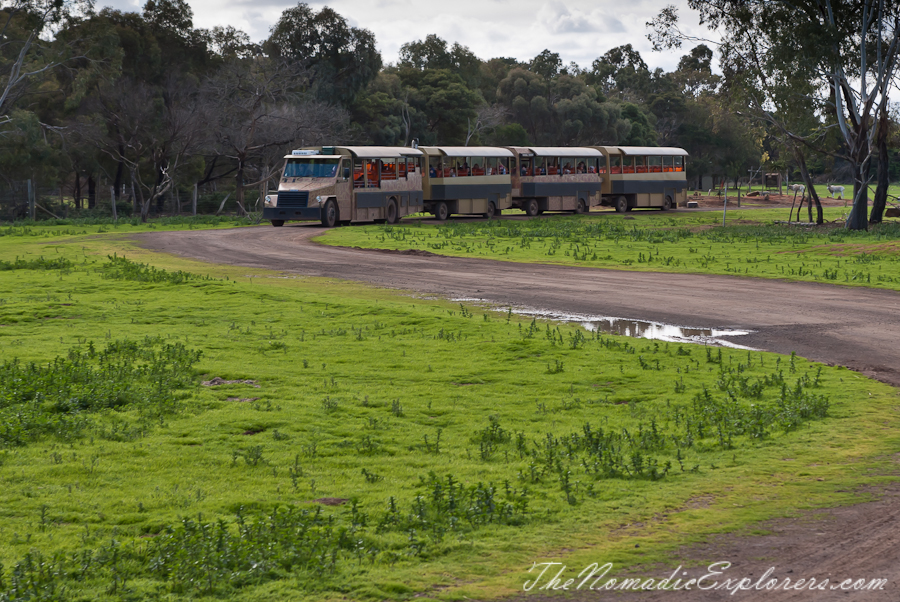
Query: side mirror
[(346, 173)]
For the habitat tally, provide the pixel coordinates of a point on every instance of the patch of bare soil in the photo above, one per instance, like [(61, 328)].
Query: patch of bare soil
[(330, 501), (217, 381), (858, 542), (850, 249), (770, 200)]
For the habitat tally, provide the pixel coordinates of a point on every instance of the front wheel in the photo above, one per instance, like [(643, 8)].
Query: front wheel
[(532, 208), (277, 222), (390, 212), (329, 215), (491, 211), (441, 212), (621, 204)]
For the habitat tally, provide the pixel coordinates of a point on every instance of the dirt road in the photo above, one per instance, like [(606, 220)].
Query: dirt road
[(855, 327)]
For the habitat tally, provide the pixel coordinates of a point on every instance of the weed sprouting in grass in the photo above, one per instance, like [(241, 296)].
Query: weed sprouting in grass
[(121, 268), (556, 368)]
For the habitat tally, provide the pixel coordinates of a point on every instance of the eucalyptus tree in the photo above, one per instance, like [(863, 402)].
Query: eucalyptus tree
[(843, 52), (338, 60), (28, 51)]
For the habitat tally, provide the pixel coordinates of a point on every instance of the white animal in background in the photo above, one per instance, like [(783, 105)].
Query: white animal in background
[(836, 189), (797, 188)]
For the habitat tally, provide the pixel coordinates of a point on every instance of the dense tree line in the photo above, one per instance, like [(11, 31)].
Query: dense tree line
[(150, 105)]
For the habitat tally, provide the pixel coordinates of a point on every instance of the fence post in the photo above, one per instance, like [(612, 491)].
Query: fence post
[(112, 201), (194, 201), (31, 201)]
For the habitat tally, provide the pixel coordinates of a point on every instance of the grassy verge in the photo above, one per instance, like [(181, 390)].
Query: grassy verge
[(684, 243), (461, 444)]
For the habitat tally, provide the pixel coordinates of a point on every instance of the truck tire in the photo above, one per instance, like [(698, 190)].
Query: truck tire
[(329, 214), (390, 212)]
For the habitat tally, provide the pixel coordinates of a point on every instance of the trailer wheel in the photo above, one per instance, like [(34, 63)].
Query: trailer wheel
[(621, 204), (491, 211), (580, 207), (532, 208), (329, 215), (390, 212), (441, 212), (667, 204), (277, 222)]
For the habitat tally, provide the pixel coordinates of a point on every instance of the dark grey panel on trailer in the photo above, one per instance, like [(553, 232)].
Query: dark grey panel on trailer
[(541, 189), (444, 192), (646, 186), (376, 199)]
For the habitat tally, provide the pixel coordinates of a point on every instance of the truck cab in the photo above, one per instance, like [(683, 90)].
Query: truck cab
[(334, 184)]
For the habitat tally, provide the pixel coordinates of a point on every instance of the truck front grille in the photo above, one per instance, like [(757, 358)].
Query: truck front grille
[(293, 199)]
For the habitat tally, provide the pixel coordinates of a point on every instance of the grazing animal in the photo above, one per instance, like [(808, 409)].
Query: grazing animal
[(836, 189), (797, 188)]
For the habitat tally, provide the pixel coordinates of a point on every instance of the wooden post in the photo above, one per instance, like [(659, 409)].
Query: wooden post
[(112, 201), (194, 201)]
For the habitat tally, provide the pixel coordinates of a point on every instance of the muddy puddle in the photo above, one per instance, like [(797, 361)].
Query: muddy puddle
[(646, 329), (642, 329)]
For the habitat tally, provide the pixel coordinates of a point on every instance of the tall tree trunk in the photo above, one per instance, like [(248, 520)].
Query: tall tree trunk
[(813, 197), (117, 185), (859, 155), (881, 192), (92, 192), (77, 191), (239, 184)]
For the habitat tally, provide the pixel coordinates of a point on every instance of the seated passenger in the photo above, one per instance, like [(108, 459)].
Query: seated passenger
[(567, 168), (581, 167), (432, 172), (524, 170), (501, 169)]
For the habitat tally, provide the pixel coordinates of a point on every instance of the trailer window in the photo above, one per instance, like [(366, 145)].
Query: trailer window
[(655, 164), (503, 165), (640, 165), (435, 169), (615, 164), (408, 166), (601, 162), (359, 180), (311, 168), (373, 173), (667, 164), (525, 166), (679, 163), (389, 169)]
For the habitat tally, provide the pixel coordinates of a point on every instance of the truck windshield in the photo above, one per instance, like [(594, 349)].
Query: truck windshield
[(311, 168)]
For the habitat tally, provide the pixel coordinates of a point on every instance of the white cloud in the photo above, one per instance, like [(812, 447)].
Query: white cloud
[(490, 28)]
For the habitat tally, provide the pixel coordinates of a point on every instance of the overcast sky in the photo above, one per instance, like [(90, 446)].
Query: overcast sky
[(579, 31)]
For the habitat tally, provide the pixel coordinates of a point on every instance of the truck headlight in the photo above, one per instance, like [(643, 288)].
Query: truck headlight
[(320, 200), (269, 201)]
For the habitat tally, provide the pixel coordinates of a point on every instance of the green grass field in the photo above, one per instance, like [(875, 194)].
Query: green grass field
[(750, 244), (468, 443)]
